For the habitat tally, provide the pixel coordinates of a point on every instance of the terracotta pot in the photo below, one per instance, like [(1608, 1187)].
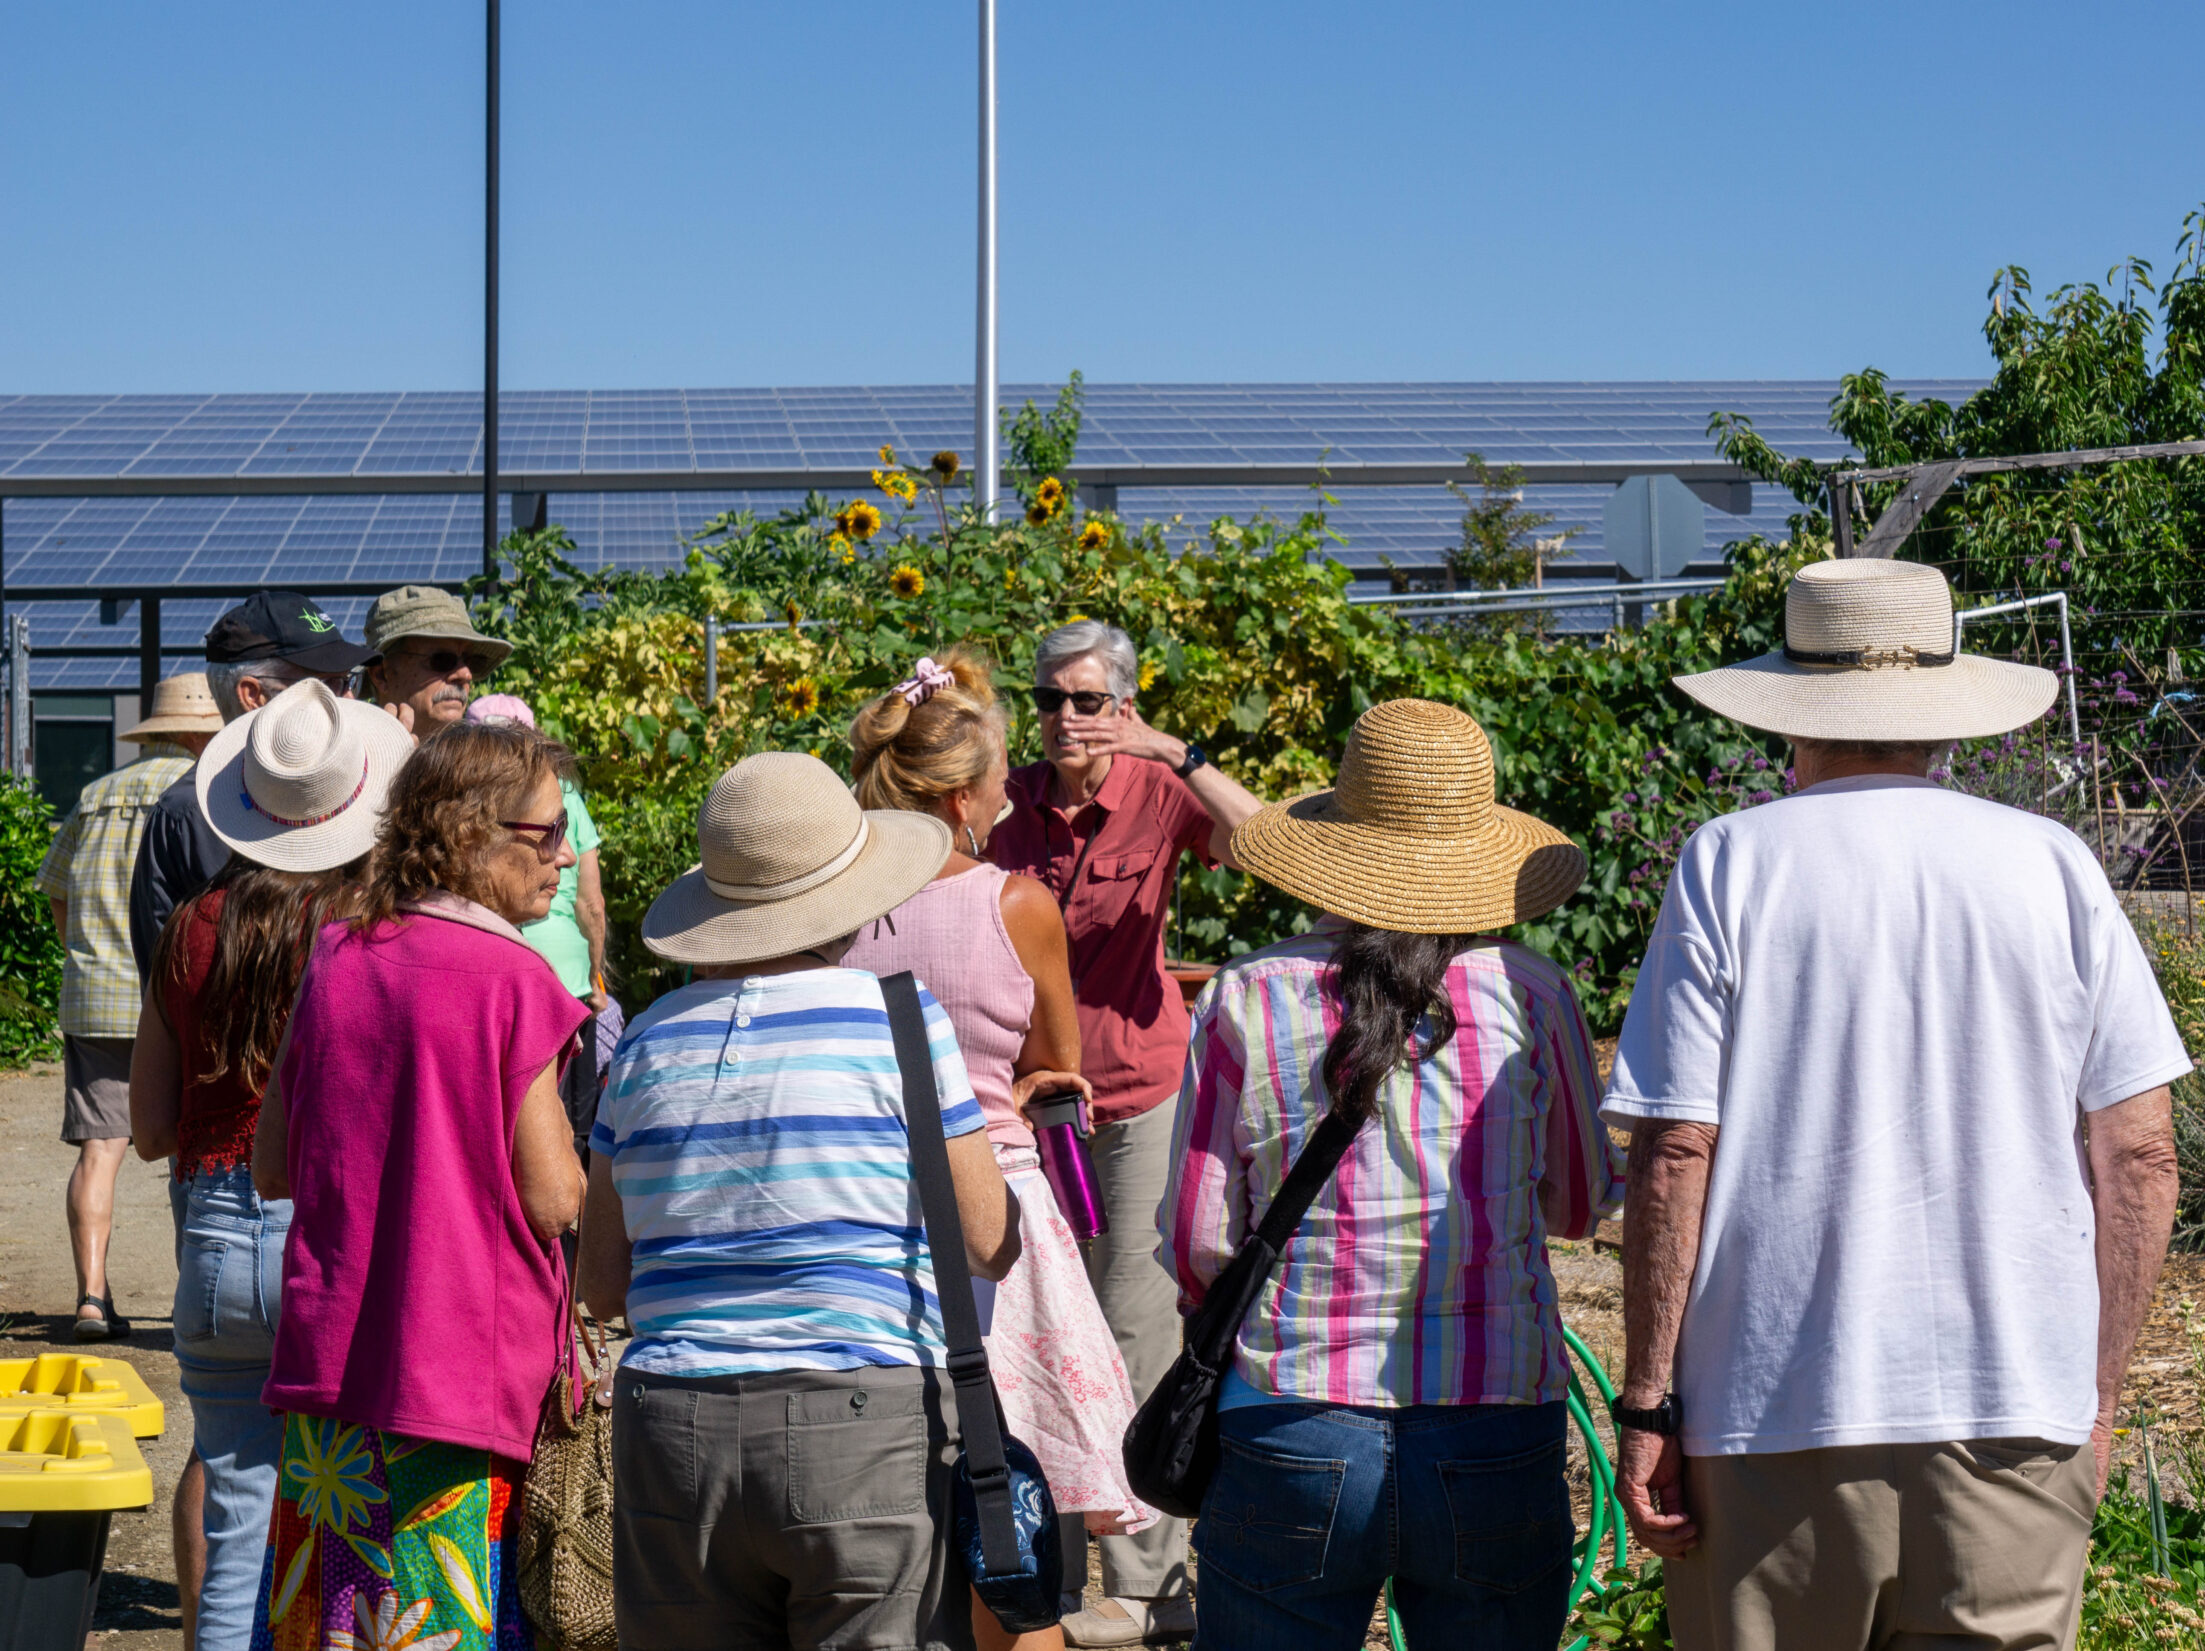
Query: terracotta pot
[(1192, 977)]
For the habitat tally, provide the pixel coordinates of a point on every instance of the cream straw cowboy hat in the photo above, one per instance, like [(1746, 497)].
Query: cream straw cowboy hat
[(789, 860), (300, 783), (1868, 655), (182, 704), (1410, 837)]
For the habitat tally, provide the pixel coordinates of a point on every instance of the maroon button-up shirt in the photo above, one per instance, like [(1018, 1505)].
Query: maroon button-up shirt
[(1111, 867)]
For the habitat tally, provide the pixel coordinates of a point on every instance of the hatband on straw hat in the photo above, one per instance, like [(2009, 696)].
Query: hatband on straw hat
[(788, 860), (182, 704), (1869, 654), (1410, 837), (300, 783)]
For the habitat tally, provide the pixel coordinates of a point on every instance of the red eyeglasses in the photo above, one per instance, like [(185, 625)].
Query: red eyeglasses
[(549, 838)]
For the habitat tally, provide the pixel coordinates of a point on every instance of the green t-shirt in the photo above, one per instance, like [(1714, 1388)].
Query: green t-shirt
[(557, 938)]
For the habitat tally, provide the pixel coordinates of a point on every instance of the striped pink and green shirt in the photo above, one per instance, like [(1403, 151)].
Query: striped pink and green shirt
[(1420, 1273)]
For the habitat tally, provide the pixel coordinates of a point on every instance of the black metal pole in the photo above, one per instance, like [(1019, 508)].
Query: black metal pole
[(149, 652), (490, 306)]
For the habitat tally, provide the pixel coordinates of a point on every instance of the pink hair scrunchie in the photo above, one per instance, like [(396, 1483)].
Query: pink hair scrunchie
[(928, 680)]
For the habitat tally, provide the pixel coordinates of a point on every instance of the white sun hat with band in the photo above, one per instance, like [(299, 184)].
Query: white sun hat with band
[(1411, 838), (1869, 655), (300, 783), (789, 860)]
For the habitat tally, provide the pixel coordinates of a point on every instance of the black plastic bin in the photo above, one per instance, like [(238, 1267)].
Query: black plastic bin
[(50, 1566)]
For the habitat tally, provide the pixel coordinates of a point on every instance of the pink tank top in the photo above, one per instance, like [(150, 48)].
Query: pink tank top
[(951, 935)]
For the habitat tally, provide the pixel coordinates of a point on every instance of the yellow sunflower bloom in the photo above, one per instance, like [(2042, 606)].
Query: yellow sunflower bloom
[(841, 546), (1149, 673), (1037, 515), (907, 581), (793, 613), (887, 454), (901, 487), (802, 698), (1050, 494), (859, 519), (1094, 535), (946, 465)]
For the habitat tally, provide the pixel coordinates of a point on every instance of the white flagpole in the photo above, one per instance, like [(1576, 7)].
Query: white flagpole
[(987, 460)]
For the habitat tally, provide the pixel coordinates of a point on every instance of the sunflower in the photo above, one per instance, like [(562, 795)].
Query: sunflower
[(1094, 535), (897, 486), (887, 454), (802, 699), (1037, 516), (841, 546), (793, 613), (907, 581), (1149, 673), (1050, 494), (946, 465), (858, 520)]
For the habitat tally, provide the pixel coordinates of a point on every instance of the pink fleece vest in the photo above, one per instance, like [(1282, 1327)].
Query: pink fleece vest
[(415, 1298)]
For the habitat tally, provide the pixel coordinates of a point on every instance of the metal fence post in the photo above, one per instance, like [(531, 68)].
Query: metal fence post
[(149, 650), (711, 661), (19, 696)]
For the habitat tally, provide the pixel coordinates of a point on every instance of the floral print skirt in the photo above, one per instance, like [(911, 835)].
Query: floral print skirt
[(382, 1542)]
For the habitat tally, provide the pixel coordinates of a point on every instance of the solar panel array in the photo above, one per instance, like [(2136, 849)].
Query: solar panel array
[(578, 434)]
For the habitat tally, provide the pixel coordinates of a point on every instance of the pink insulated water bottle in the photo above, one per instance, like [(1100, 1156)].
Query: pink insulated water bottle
[(1061, 1126)]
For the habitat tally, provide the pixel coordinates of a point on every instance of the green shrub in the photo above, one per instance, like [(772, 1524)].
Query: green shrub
[(30, 952)]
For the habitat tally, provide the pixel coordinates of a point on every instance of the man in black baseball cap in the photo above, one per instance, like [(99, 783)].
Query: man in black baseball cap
[(269, 641)]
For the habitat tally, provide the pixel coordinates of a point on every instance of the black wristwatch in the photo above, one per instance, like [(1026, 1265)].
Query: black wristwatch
[(1666, 1418), (1196, 758)]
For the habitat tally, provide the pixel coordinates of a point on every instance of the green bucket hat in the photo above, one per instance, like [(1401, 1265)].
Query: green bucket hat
[(425, 611)]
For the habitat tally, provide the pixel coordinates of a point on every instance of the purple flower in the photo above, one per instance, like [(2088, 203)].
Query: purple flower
[(1760, 765), (1630, 796), (1760, 797)]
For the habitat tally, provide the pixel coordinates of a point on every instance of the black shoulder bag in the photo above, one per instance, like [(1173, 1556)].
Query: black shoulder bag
[(1171, 1443), (1006, 1520)]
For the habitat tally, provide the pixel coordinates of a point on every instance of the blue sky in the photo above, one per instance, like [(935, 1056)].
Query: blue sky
[(227, 196)]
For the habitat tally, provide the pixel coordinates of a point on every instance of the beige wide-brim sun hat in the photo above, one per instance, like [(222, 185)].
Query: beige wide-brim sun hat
[(1869, 655), (788, 860), (182, 704), (301, 783), (1410, 837)]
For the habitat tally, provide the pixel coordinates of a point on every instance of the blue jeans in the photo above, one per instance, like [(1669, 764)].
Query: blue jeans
[(229, 1284), (1315, 1506)]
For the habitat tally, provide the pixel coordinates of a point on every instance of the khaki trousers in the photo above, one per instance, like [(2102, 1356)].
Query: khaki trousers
[(1867, 1547)]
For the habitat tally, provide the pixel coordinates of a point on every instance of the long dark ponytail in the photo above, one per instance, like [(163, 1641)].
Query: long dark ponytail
[(1388, 981)]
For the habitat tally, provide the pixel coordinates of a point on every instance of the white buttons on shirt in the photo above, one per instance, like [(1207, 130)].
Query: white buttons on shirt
[(742, 1020)]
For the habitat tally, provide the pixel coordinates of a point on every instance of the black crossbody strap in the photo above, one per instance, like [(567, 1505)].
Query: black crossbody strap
[(1328, 1144), (945, 1235)]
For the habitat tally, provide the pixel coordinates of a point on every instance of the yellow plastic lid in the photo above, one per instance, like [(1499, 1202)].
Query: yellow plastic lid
[(78, 1382), (59, 1461)]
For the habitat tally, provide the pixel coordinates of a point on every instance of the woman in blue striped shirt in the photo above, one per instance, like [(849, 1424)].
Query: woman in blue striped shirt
[(783, 1428)]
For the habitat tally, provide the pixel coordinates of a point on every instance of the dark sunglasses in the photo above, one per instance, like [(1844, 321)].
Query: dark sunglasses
[(1089, 702), (549, 838), (444, 661), (344, 684)]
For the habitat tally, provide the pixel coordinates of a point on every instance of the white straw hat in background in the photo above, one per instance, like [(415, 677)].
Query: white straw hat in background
[(300, 783), (1410, 837), (1869, 655), (182, 704), (789, 860)]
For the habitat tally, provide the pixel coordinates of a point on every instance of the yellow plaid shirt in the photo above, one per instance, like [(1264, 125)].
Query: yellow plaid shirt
[(89, 866)]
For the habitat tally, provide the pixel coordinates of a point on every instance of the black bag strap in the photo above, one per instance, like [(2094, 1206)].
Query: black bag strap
[(977, 1418), (1213, 1327)]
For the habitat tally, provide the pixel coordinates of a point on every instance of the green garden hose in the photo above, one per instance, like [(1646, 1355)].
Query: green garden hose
[(1607, 1509)]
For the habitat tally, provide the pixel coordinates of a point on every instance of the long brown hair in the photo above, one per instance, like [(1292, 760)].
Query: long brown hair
[(442, 817), (262, 939), (1388, 981)]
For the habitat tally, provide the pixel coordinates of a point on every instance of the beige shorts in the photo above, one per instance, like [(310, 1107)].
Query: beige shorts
[(1872, 1546), (95, 1089)]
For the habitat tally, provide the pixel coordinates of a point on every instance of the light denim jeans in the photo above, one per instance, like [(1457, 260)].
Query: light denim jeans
[(229, 1284)]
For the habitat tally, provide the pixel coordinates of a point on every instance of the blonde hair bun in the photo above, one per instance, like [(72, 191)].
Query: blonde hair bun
[(909, 756)]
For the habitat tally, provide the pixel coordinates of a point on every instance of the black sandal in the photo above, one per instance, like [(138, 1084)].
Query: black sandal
[(109, 1326)]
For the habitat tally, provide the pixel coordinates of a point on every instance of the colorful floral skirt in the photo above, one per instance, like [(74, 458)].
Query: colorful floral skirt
[(382, 1542)]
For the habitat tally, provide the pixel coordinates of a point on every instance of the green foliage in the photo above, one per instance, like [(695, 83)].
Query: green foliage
[(1041, 444), (1631, 1612), (2178, 956), (30, 952), (2121, 539), (1501, 546)]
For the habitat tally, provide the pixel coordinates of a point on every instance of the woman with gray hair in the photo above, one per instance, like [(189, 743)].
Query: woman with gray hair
[(1102, 823)]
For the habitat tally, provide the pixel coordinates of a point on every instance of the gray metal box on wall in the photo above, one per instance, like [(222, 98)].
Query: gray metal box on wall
[(1653, 526)]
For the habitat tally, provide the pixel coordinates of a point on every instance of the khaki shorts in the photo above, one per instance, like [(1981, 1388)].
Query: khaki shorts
[(806, 1508), (95, 1089), (1866, 1547)]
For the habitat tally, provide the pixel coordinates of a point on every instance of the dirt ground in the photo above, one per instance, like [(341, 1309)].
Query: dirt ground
[(138, 1603)]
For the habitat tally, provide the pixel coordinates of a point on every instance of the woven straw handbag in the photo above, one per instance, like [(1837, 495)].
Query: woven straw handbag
[(565, 1561)]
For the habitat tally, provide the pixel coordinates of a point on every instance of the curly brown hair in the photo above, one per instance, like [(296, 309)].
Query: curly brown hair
[(907, 756), (261, 940), (442, 817)]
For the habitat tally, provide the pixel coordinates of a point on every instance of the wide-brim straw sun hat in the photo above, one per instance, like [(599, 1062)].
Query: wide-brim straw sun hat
[(301, 783), (788, 860), (1410, 837), (1869, 655), (182, 704)]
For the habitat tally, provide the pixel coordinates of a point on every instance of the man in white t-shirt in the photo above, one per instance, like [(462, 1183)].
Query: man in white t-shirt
[(1902, 1164)]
